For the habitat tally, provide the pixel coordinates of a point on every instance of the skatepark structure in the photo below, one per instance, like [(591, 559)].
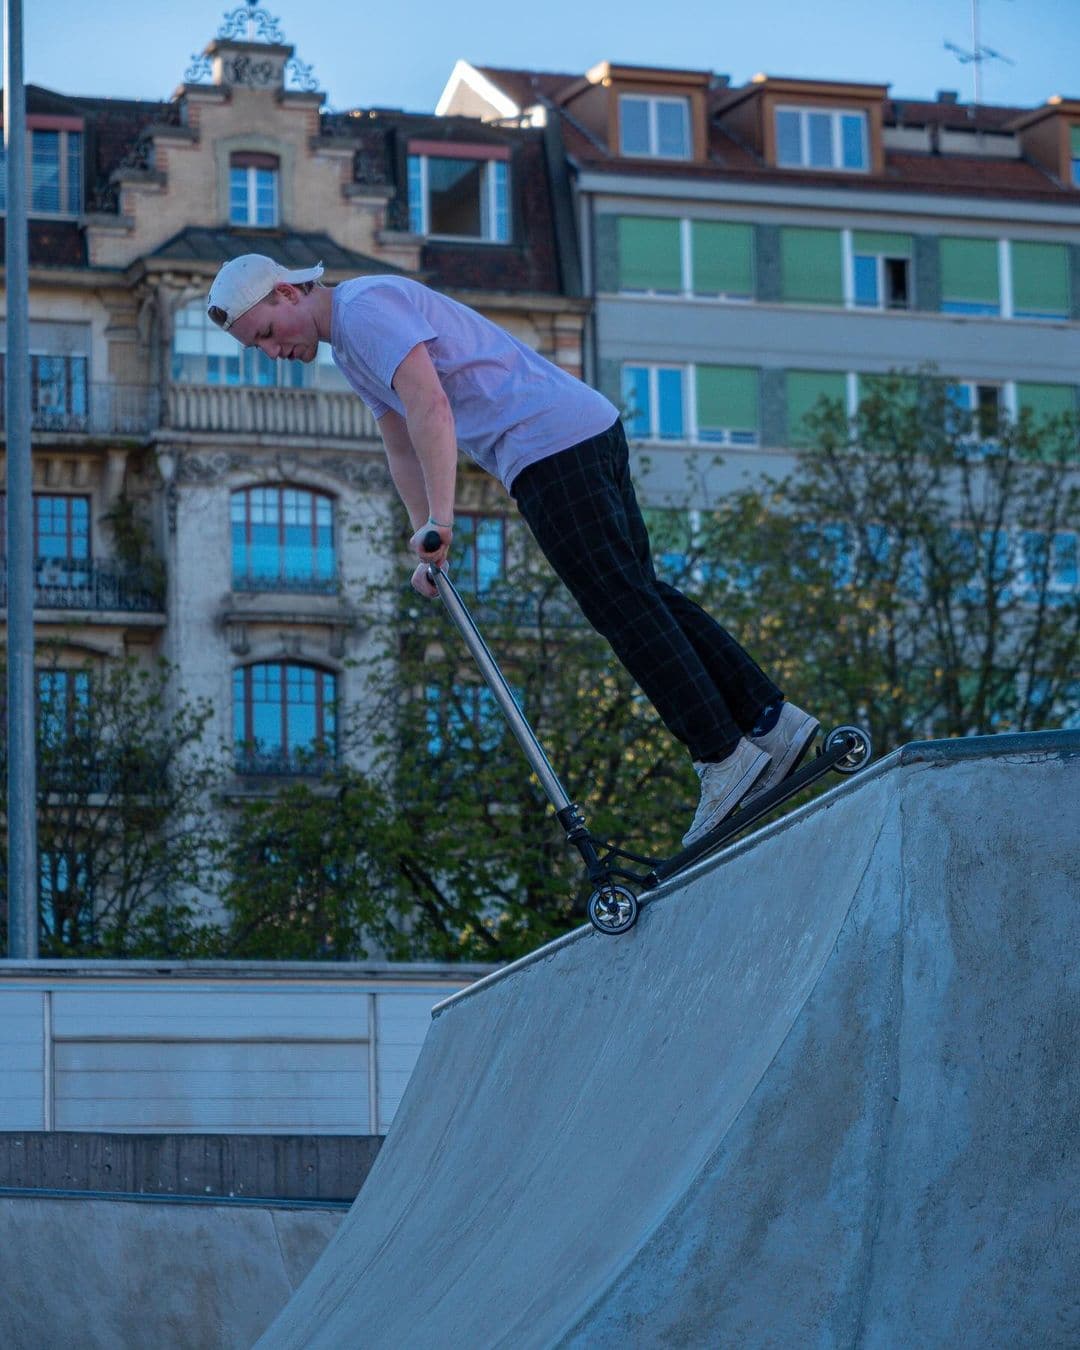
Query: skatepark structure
[(825, 1093)]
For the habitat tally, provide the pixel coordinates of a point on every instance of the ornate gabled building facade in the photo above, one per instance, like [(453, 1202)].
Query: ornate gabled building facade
[(194, 500)]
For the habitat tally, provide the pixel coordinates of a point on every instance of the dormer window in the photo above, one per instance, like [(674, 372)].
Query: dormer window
[(821, 138), (459, 191), (654, 127), (1074, 153), (253, 189), (55, 155)]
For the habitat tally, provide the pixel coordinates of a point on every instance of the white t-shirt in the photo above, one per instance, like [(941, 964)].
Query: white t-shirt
[(511, 407)]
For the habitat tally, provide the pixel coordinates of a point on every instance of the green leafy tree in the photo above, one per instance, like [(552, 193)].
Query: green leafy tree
[(916, 573), (125, 827)]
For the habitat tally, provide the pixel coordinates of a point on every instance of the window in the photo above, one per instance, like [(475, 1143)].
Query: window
[(63, 698), (459, 192), (805, 390), (203, 353), (283, 540), (1044, 401), (811, 265), (811, 138), (253, 189), (655, 127), (881, 269), (969, 276), (65, 899), (727, 405), (479, 552), (650, 255), (465, 718), (1074, 154), (1051, 564), (711, 405), (662, 256), (55, 172), (1040, 281), (58, 393), (977, 412), (654, 399), (722, 259), (284, 718)]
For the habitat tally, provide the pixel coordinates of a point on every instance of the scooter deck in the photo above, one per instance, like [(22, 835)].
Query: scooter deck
[(745, 818)]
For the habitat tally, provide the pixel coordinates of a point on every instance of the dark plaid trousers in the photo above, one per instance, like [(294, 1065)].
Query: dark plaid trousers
[(581, 506)]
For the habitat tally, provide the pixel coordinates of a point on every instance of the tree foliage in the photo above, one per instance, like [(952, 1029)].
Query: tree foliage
[(125, 829)]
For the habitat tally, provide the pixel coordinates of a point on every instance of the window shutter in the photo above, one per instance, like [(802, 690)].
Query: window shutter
[(1074, 141), (649, 254), (969, 271), (1040, 279), (888, 245), (804, 389), (1046, 400), (811, 266), (723, 258), (727, 397)]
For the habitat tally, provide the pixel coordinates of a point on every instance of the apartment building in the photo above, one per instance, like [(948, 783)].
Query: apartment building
[(752, 248), (198, 502)]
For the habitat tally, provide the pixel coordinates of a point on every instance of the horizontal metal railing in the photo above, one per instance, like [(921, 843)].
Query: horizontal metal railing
[(96, 409), (81, 583)]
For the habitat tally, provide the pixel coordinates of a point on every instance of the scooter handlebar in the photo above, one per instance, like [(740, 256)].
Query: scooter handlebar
[(431, 541)]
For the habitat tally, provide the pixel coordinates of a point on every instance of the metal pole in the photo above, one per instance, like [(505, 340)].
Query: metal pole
[(22, 776), (496, 682)]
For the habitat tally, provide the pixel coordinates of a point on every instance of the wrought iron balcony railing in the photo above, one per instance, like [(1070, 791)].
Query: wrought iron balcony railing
[(81, 583), (96, 409), (262, 583), (257, 763)]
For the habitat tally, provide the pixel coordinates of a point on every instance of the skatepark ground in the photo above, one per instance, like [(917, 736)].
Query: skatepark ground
[(825, 1093)]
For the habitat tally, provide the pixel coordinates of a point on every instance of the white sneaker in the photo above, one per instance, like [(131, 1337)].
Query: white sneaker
[(785, 745), (724, 785)]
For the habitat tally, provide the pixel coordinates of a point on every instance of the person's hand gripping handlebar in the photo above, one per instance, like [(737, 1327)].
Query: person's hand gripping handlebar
[(431, 543)]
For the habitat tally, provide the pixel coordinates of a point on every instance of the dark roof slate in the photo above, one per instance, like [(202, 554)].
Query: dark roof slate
[(202, 244)]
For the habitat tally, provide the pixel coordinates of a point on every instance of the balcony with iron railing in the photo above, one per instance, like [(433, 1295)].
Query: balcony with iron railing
[(136, 410), (85, 585), (95, 409)]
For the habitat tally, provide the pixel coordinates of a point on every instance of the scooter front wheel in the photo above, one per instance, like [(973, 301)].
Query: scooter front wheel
[(613, 909)]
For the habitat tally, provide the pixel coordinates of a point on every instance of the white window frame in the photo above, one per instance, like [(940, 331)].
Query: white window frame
[(67, 207), (489, 203), (251, 173), (836, 138), (849, 254), (652, 103), (728, 436)]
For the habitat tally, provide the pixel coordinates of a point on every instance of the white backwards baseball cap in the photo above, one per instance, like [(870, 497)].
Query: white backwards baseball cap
[(244, 281)]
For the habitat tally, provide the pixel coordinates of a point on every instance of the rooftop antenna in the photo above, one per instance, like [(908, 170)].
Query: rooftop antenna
[(977, 54)]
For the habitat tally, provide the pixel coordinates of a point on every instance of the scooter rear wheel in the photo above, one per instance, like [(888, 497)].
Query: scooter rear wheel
[(613, 909)]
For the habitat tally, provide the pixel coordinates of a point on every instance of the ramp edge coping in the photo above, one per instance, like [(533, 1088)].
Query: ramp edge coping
[(1006, 745)]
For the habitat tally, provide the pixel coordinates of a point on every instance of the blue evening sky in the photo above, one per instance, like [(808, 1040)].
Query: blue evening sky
[(400, 54)]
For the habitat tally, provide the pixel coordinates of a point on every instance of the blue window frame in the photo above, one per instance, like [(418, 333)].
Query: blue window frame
[(479, 552)]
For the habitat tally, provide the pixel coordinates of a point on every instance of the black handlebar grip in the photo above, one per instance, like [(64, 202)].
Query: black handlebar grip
[(431, 542)]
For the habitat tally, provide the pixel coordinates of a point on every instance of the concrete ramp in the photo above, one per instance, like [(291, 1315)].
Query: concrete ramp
[(826, 1093)]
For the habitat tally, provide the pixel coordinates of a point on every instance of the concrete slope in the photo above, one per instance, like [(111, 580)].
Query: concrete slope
[(109, 1273), (824, 1094)]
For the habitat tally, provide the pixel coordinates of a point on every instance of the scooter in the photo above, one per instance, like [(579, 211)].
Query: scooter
[(614, 906)]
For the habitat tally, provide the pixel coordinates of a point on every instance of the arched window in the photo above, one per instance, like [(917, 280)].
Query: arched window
[(283, 540), (284, 718), (253, 189)]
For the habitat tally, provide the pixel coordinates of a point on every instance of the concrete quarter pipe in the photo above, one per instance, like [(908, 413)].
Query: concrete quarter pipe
[(826, 1093)]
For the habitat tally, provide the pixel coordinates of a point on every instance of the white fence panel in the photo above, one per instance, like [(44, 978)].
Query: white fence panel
[(22, 1059)]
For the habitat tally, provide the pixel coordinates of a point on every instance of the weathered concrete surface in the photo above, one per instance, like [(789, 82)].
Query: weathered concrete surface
[(102, 1274), (825, 1094)]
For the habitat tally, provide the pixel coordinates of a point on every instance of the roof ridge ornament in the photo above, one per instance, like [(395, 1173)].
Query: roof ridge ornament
[(250, 23)]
